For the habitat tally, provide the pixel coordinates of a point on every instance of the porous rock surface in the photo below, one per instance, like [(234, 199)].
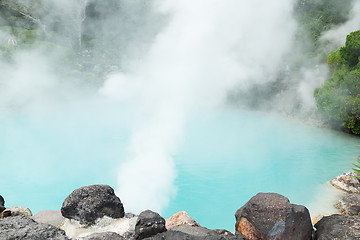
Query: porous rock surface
[(187, 232), (52, 217), (349, 204), (180, 218), (89, 203), (2, 201), (2, 204), (338, 227), (347, 182), (20, 211), (20, 227), (122, 226), (194, 231), (103, 236), (148, 224), (205, 233), (271, 216)]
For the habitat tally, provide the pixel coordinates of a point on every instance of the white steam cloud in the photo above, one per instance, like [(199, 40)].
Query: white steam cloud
[(207, 47)]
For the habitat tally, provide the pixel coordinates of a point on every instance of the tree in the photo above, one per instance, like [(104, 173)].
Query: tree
[(351, 52), (339, 97)]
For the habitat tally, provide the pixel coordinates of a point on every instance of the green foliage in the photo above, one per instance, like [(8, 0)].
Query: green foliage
[(358, 168), (335, 61), (339, 97), (314, 18), (22, 35), (317, 16), (351, 52)]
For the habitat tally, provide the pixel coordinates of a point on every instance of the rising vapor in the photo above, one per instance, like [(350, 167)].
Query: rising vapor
[(207, 48)]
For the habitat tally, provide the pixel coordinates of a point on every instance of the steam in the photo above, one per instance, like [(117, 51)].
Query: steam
[(338, 35), (178, 59), (27, 83), (207, 48), (331, 41), (312, 76)]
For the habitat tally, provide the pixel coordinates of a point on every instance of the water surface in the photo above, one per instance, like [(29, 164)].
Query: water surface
[(225, 159)]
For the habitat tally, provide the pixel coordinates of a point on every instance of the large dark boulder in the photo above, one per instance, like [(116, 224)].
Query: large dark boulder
[(148, 224), (89, 203), (271, 216), (338, 227), (21, 227), (104, 236)]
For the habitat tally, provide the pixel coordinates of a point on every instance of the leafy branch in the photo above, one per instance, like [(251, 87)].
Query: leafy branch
[(358, 168)]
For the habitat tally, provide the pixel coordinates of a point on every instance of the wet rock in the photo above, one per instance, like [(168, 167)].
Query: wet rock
[(89, 203), (103, 236), (338, 227), (51, 217), (349, 204), (347, 182), (21, 227), (125, 227), (20, 211), (180, 218), (271, 216), (148, 224)]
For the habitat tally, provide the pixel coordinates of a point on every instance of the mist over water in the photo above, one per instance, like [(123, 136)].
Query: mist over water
[(206, 48), (160, 116)]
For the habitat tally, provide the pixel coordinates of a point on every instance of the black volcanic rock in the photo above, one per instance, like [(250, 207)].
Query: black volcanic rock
[(2, 201), (2, 208), (338, 227), (2, 204), (104, 236), (21, 227), (349, 204), (271, 216), (148, 224), (176, 235), (188, 232), (89, 203), (194, 231)]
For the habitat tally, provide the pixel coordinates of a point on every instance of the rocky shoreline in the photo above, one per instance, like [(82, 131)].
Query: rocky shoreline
[(96, 213)]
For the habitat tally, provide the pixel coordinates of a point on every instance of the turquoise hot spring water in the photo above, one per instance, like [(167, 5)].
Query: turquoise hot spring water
[(224, 159)]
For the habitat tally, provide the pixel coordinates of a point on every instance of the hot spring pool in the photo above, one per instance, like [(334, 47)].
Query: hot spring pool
[(224, 160)]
